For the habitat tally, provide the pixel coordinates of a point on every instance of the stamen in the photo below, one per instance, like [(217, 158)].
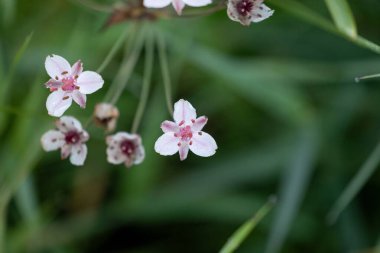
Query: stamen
[(191, 143), (193, 120), (64, 73), (66, 97), (179, 144), (181, 123), (200, 133)]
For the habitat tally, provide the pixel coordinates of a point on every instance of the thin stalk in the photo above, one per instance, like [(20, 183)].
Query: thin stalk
[(94, 6), (114, 49), (126, 69), (165, 71), (148, 69), (3, 212), (358, 79)]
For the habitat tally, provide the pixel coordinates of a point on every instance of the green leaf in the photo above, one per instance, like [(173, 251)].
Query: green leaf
[(344, 19), (243, 231)]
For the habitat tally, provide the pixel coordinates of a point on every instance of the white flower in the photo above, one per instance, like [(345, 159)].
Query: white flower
[(125, 148), (70, 138), (247, 11), (106, 115), (177, 4), (185, 133), (68, 83)]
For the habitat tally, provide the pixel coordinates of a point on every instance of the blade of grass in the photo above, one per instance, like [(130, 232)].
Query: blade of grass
[(344, 19), (243, 231), (356, 184)]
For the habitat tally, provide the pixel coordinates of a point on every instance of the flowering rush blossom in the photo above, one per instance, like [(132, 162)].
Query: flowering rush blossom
[(125, 148), (177, 4), (106, 115), (185, 133), (69, 137), (247, 11), (68, 83)]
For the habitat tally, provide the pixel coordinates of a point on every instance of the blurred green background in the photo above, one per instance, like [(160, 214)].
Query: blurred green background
[(282, 104)]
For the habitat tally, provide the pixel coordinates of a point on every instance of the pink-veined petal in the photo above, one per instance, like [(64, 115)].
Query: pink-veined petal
[(53, 84), (89, 82), (197, 3), (68, 123), (78, 154), (84, 136), (184, 112), (183, 151), (77, 68), (261, 13), (65, 151), (114, 154), (167, 144), (156, 3), (203, 144), (58, 102), (56, 66), (52, 140), (79, 98), (199, 123), (178, 6), (169, 126)]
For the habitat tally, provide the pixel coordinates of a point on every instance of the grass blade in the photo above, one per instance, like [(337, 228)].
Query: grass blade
[(341, 13), (243, 231)]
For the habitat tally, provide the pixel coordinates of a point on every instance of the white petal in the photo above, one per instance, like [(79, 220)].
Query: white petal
[(199, 123), (140, 154), (197, 3), (65, 151), (261, 13), (68, 123), (58, 102), (178, 6), (52, 140), (114, 154), (169, 126), (89, 82), (203, 144), (167, 144), (156, 3), (79, 98), (56, 66), (184, 111), (78, 154), (183, 151), (77, 68)]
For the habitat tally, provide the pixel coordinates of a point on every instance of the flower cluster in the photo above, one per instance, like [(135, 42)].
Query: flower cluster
[(71, 83)]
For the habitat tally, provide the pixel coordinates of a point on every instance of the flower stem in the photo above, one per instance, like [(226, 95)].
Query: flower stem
[(165, 71), (148, 69)]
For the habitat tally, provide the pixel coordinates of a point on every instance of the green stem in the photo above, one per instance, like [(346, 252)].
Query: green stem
[(149, 58), (358, 79), (3, 210), (165, 71)]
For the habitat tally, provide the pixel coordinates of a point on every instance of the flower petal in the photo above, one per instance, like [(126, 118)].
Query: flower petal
[(156, 3), (199, 123), (183, 151), (178, 6), (203, 144), (65, 151), (79, 98), (56, 66), (184, 112), (52, 140), (169, 126), (77, 68), (140, 154), (114, 154), (261, 13), (197, 3), (58, 102), (167, 144), (78, 154), (68, 123), (89, 82)]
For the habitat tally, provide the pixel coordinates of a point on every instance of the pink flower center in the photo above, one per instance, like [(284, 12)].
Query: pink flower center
[(69, 84), (244, 7), (185, 133), (127, 147), (72, 137)]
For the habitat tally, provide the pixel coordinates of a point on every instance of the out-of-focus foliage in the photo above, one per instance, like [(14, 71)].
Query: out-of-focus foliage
[(282, 104)]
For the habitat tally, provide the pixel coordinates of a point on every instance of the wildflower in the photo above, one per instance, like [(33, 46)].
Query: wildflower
[(185, 133), (68, 83), (70, 138), (125, 148), (177, 4), (106, 115), (247, 11)]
